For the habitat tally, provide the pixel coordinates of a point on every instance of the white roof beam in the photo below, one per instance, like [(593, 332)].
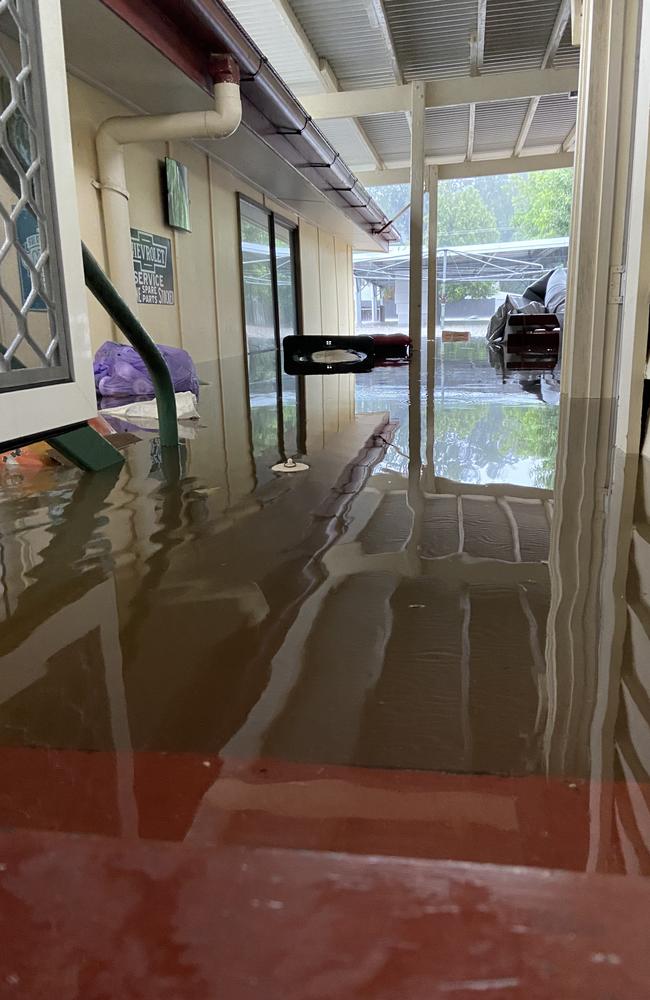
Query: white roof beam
[(477, 48), (497, 163), (557, 31), (442, 93), (377, 14), (378, 11), (477, 41)]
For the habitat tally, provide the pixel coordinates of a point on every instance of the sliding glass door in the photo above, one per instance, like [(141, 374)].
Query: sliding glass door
[(270, 299)]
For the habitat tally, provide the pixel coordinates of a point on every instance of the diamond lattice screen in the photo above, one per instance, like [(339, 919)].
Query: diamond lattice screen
[(32, 344)]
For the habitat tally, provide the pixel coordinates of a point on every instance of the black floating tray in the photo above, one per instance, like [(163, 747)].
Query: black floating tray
[(309, 355)]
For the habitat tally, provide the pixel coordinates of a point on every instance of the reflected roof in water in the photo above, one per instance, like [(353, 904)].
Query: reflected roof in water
[(359, 657)]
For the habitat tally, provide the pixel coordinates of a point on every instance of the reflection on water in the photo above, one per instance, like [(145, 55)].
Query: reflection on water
[(485, 431), (359, 657)]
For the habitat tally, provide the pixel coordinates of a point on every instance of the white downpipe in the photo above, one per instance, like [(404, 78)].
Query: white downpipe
[(115, 133)]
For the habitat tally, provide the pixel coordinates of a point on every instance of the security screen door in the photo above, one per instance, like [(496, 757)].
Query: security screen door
[(46, 379)]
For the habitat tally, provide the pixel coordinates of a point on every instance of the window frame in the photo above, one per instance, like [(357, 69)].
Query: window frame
[(293, 229)]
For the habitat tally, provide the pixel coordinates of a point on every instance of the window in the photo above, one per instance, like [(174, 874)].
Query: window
[(268, 256)]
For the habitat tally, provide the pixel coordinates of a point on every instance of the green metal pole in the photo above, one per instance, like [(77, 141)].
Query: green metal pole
[(105, 292)]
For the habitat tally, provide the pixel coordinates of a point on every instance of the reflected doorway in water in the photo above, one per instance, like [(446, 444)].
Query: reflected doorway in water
[(485, 431)]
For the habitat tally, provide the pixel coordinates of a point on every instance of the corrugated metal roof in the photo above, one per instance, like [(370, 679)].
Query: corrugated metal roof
[(389, 134), (497, 125), (516, 34), (344, 33), (432, 36), (343, 136), (555, 116), (445, 130), (266, 26), (273, 32), (567, 54), (432, 40)]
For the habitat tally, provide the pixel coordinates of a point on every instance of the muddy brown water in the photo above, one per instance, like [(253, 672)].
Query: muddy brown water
[(384, 612)]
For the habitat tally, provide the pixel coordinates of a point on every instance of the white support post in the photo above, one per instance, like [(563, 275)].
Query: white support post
[(590, 538), (576, 22), (417, 211), (415, 498), (432, 306)]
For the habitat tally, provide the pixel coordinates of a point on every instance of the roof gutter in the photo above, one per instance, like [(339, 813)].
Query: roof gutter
[(188, 34)]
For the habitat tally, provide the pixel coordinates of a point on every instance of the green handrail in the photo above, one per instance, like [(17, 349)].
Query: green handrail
[(108, 296)]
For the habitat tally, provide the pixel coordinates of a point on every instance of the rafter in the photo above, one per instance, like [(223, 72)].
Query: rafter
[(569, 140), (557, 31), (477, 41), (477, 48), (379, 12), (377, 9), (470, 131)]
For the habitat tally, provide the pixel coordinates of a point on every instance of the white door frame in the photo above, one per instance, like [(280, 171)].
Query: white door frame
[(602, 380)]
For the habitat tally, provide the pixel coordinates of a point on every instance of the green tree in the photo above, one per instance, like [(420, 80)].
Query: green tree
[(496, 192), (542, 203), (463, 216), (464, 219)]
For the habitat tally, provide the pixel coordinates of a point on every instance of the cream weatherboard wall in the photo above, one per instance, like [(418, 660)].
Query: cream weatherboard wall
[(206, 318)]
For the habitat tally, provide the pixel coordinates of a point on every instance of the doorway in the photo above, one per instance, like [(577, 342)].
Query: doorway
[(269, 255)]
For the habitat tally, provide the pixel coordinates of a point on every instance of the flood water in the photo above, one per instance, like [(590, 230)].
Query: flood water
[(357, 657)]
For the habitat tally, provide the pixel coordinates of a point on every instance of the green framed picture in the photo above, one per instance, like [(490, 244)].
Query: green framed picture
[(178, 195)]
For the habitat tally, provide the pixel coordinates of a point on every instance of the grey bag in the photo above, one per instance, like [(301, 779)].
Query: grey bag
[(513, 304)]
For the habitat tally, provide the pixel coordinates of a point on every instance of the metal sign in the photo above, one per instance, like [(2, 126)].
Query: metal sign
[(153, 268)]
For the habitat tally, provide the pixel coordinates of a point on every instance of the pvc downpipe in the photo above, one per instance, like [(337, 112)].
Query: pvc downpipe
[(114, 134)]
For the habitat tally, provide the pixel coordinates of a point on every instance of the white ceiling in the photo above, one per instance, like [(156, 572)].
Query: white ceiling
[(430, 39)]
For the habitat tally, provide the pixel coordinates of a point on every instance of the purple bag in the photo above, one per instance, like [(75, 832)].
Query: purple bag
[(120, 371)]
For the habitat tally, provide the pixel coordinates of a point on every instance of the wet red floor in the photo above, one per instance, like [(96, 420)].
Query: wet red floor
[(143, 920)]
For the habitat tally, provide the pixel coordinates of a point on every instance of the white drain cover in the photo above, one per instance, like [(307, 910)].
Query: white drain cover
[(290, 466)]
